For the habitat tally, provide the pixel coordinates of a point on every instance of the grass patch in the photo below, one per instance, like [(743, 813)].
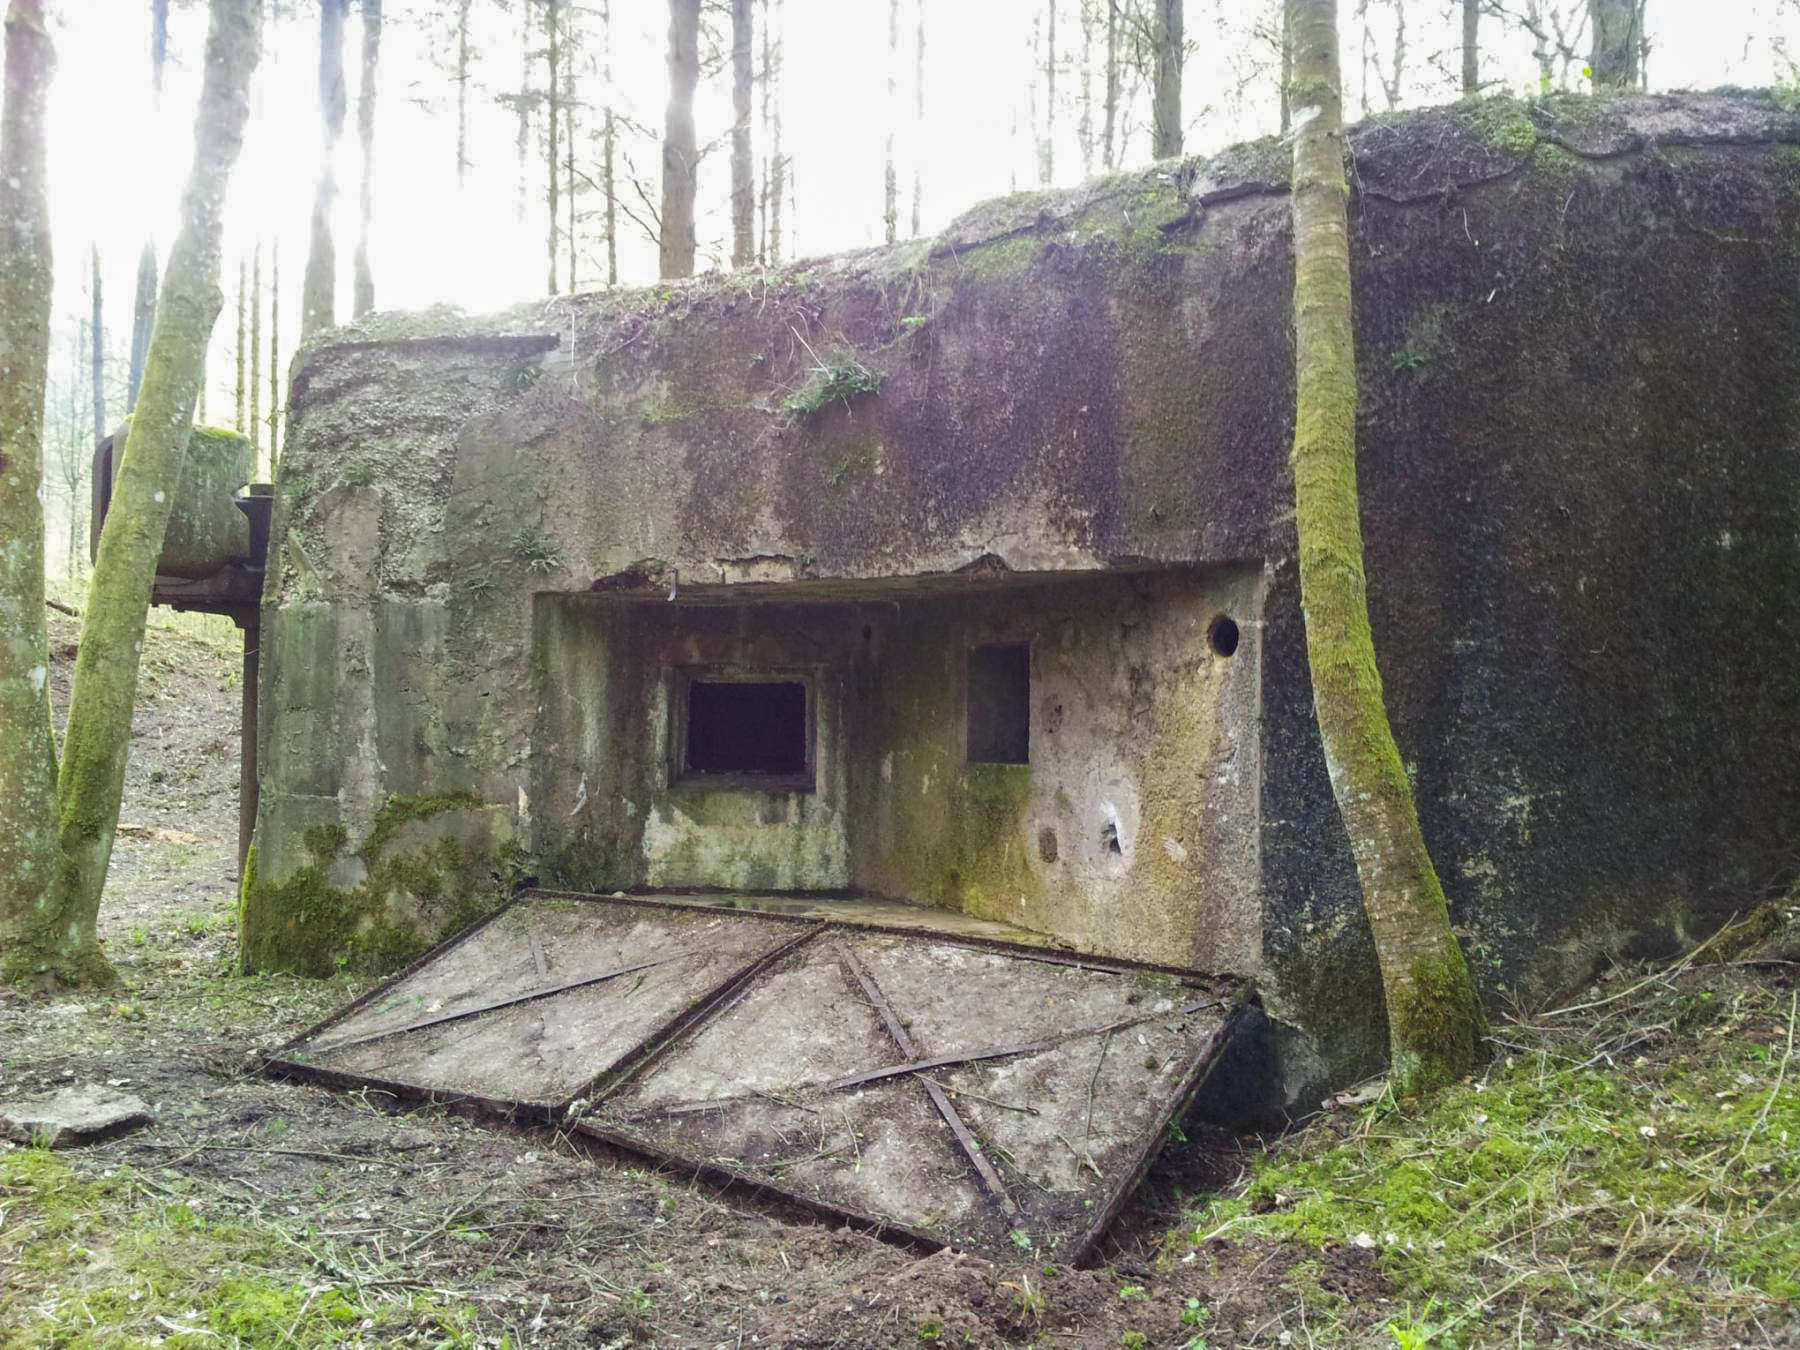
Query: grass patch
[(1627, 1173), (125, 1259)]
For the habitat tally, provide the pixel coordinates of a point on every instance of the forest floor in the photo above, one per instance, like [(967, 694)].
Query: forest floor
[(1624, 1173)]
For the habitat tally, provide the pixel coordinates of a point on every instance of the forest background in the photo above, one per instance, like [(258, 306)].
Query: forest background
[(488, 181)]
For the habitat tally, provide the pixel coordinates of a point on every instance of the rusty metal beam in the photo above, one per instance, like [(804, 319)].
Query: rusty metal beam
[(966, 1141)]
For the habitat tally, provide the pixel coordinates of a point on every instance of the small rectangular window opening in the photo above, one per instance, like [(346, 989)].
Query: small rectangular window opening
[(744, 727), (1000, 704)]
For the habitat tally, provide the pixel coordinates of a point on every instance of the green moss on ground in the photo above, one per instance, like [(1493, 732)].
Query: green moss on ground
[(127, 1260), (1635, 1179)]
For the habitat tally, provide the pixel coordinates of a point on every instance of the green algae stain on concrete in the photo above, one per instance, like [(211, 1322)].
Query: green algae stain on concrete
[(312, 922)]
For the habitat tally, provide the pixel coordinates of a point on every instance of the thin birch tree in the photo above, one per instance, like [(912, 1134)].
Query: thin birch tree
[(1436, 1026), (680, 155), (48, 930), (318, 288), (28, 748)]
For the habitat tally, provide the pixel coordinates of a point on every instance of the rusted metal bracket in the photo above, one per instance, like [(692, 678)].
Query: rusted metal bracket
[(983, 1168)]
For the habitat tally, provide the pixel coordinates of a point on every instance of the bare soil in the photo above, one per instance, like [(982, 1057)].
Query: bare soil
[(423, 1226)]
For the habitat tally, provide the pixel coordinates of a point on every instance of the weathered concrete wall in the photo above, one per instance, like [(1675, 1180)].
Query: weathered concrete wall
[(1133, 829), (1577, 341), (609, 815)]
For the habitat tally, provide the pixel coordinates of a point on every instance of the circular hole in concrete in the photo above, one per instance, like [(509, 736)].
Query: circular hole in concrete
[(1222, 635)]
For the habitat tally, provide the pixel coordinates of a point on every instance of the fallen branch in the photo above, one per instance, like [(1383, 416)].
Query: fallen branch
[(61, 608)]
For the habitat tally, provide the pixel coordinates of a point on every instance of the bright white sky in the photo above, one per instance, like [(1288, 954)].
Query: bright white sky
[(117, 162)]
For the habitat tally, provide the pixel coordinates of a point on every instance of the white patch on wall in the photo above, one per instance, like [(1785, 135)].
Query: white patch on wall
[(158, 499), (1175, 849), (524, 805), (887, 767), (36, 676)]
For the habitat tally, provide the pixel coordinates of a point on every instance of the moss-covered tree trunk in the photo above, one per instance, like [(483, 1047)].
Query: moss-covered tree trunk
[(1435, 1021), (680, 156), (27, 749), (92, 776)]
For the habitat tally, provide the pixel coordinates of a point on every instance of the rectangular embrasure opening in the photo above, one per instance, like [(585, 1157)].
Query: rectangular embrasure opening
[(1000, 703), (750, 729)]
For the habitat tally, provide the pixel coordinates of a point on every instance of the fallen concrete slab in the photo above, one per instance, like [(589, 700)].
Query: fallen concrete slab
[(954, 1090), (72, 1116)]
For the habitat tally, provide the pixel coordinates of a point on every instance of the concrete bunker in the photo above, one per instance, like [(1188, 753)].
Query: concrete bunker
[(506, 551), (1064, 753)]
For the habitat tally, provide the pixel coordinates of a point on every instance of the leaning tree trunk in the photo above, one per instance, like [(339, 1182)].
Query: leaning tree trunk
[(98, 740), (363, 287), (743, 186), (1614, 59), (1435, 1022), (30, 936), (1166, 106), (676, 243), (318, 288)]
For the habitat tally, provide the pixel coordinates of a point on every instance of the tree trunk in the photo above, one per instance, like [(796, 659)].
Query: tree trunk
[(1084, 126), (318, 289), (143, 316), (242, 345), (1109, 138), (1435, 1021), (1048, 172), (1471, 48), (363, 292), (1617, 34), (523, 142), (274, 356), (679, 167), (571, 45), (743, 183), (552, 129), (98, 354), (778, 167), (72, 455), (462, 93), (30, 936), (143, 313), (1166, 107), (890, 178), (92, 776), (609, 145), (256, 357), (1287, 71), (918, 164)]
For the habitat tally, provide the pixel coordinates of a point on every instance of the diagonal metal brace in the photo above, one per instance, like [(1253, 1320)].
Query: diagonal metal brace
[(965, 1140), (1005, 1051), (496, 1004)]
